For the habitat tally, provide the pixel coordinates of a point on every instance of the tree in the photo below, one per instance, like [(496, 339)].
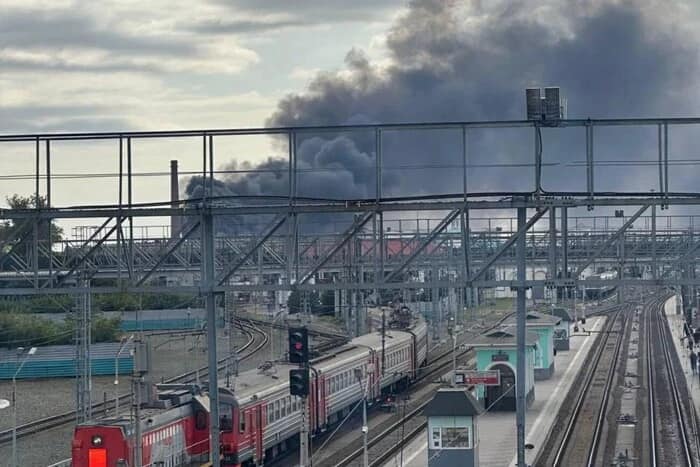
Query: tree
[(17, 234), (327, 302), (295, 305)]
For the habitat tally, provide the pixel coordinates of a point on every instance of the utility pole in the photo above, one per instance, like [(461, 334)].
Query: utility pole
[(142, 363), (299, 384), (365, 427), (521, 318), (454, 359), (304, 436), (15, 462), (383, 340), (208, 238)]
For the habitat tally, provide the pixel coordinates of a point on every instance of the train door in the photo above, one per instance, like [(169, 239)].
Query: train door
[(322, 408), (312, 403), (259, 431), (414, 357)]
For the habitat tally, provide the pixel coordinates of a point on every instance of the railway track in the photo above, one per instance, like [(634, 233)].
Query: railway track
[(249, 329), (390, 437), (384, 443), (579, 442), (672, 424)]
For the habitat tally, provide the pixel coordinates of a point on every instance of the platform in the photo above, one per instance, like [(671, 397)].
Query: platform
[(497, 434), (675, 324)]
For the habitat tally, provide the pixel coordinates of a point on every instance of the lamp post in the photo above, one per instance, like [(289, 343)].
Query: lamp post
[(272, 335), (20, 351), (365, 428), (116, 373)]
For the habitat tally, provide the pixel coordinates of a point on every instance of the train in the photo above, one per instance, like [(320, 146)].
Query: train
[(603, 291), (259, 419)]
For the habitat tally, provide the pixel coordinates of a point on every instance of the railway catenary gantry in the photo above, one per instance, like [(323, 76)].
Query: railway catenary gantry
[(33, 264), (112, 249)]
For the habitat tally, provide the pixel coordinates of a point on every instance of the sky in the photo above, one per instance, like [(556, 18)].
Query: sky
[(128, 65)]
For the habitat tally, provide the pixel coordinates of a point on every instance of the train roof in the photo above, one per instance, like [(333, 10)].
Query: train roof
[(174, 401), (503, 336), (534, 318), (256, 384)]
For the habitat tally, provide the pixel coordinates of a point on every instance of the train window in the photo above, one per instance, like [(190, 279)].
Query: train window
[(225, 423), (277, 410), (283, 410), (241, 422), (269, 413), (436, 438), (200, 420)]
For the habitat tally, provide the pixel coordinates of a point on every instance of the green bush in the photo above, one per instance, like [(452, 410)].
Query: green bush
[(37, 304), (21, 329), (130, 302)]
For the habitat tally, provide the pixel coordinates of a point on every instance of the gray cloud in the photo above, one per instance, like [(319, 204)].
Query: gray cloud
[(613, 63), (317, 11), (56, 29), (226, 26)]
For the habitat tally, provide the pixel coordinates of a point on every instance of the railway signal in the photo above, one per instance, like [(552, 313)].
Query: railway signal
[(299, 382), (298, 345)]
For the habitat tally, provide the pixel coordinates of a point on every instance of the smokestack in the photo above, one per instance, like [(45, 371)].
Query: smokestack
[(175, 221)]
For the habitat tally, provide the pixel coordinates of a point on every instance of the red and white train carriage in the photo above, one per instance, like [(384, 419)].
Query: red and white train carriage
[(267, 419), (259, 418)]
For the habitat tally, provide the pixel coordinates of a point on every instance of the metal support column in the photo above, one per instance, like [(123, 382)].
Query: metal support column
[(208, 274), (621, 267), (565, 247), (82, 349), (553, 248), (654, 263), (520, 389), (304, 435)]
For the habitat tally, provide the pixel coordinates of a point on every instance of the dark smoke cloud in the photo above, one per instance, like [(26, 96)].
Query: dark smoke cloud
[(455, 60)]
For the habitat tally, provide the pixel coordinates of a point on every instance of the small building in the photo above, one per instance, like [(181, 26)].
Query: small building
[(497, 350), (543, 325), (453, 437), (54, 361), (562, 331)]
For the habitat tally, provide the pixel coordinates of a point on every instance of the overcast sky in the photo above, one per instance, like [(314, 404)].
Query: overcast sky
[(72, 65), (117, 65)]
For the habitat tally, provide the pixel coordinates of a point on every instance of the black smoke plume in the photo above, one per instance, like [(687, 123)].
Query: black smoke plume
[(472, 60)]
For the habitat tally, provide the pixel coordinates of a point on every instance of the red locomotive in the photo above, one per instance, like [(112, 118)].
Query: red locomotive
[(174, 431)]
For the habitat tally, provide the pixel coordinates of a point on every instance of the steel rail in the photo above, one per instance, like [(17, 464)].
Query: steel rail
[(437, 368), (440, 367), (582, 395), (655, 308), (57, 420)]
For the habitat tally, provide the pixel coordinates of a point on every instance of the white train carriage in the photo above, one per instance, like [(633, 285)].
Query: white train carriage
[(266, 418)]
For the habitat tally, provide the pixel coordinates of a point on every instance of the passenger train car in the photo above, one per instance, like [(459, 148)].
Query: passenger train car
[(603, 291), (259, 418), (173, 434), (266, 419)]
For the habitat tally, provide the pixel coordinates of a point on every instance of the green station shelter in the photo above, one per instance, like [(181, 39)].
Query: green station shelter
[(496, 350), (543, 325)]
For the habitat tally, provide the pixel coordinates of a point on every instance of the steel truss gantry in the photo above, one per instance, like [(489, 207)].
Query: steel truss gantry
[(355, 252)]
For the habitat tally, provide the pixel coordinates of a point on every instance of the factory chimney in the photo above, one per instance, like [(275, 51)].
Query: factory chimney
[(175, 221)]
